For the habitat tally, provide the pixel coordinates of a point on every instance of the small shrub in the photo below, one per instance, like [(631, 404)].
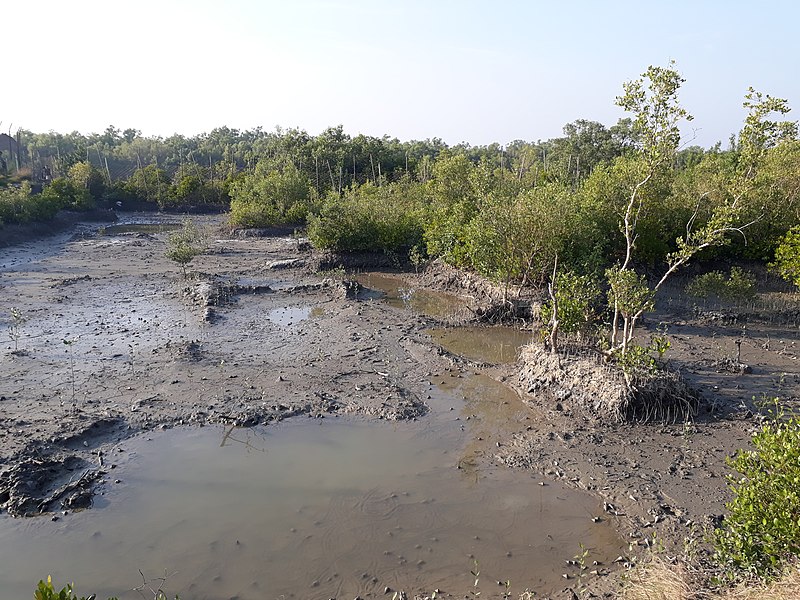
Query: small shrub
[(183, 245), (15, 326), (737, 287), (761, 535), (787, 257), (46, 591)]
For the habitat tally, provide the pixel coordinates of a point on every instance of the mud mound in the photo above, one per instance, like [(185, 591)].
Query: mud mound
[(328, 261), (584, 380), (487, 298), (189, 350), (440, 275), (216, 292), (30, 488), (284, 263), (505, 312)]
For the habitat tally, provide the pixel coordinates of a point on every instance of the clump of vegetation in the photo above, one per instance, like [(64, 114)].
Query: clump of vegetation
[(738, 286), (15, 327), (787, 257), (271, 196), (761, 534), (19, 205), (370, 218), (575, 299), (656, 579), (46, 591), (185, 244)]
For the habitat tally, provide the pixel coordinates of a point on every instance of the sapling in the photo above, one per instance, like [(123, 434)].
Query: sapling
[(14, 331), (68, 343), (184, 244)]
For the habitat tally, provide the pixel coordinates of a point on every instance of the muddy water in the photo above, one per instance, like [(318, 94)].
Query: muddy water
[(329, 508), (397, 292), (498, 345)]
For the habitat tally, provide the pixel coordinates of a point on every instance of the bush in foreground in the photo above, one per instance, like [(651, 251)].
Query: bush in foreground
[(761, 535), (46, 591)]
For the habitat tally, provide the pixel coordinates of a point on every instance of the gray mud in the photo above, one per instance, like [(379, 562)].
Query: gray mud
[(117, 342)]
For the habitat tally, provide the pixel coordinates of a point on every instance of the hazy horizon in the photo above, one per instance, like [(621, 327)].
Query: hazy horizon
[(459, 71)]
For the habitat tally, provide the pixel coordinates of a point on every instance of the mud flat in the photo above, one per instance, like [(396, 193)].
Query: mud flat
[(266, 430)]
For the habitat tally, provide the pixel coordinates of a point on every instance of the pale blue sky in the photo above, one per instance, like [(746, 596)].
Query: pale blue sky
[(464, 70)]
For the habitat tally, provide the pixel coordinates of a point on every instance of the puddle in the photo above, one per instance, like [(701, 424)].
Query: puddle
[(319, 509), (286, 316), (496, 345), (396, 292), (151, 228)]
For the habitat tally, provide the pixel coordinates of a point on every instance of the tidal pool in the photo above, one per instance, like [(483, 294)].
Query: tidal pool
[(497, 344), (397, 292), (329, 508)]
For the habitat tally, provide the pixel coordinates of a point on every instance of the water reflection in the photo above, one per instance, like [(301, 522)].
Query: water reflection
[(496, 345), (318, 509), (396, 292)]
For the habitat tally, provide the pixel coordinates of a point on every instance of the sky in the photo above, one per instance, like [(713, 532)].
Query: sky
[(460, 70)]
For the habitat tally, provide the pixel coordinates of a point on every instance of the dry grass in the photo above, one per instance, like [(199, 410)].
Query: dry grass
[(657, 580), (785, 588)]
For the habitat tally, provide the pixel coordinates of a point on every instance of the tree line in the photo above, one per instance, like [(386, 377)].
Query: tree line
[(610, 203)]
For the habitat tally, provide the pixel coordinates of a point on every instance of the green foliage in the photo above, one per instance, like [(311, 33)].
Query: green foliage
[(787, 257), (370, 218), (151, 184), (653, 102), (454, 203), (515, 235), (629, 291), (65, 193), (194, 186), (739, 286), (184, 245), (577, 297), (271, 196), (19, 205), (84, 176), (761, 533), (640, 360), (46, 591)]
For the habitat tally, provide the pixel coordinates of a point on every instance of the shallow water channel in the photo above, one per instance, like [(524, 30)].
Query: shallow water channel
[(320, 508)]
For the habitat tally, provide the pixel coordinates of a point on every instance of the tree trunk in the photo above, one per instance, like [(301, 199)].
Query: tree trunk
[(551, 289)]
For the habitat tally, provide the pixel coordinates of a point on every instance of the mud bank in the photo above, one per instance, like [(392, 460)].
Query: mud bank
[(11, 235)]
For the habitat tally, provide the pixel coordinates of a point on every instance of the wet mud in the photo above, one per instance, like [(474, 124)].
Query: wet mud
[(117, 346)]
